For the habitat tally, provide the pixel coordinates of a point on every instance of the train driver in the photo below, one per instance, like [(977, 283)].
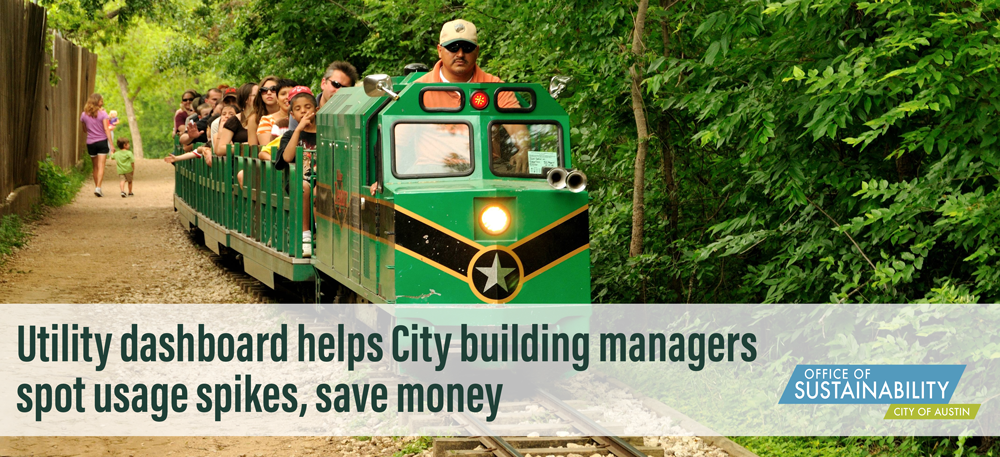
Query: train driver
[(458, 51)]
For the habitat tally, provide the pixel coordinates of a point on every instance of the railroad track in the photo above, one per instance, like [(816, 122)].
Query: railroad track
[(539, 425), (585, 446), (594, 438), (576, 433)]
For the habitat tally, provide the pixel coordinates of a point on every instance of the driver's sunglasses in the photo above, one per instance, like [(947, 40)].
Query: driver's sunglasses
[(335, 84), (465, 46), (267, 89), (187, 99)]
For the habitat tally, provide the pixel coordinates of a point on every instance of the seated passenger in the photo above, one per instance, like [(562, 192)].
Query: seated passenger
[(229, 111), (196, 127), (268, 128), (338, 75), (303, 109), (228, 99), (186, 109), (233, 130), (266, 102)]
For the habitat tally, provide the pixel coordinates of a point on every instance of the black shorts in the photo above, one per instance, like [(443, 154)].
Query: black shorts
[(98, 148)]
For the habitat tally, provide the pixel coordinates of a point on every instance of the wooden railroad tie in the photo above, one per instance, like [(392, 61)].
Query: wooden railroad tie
[(536, 446)]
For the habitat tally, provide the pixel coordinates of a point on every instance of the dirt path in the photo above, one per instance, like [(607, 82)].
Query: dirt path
[(133, 250), (119, 250), (249, 446)]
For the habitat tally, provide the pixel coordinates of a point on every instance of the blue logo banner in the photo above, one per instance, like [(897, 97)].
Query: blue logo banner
[(872, 384)]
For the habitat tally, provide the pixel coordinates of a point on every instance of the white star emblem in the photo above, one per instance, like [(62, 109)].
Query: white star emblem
[(495, 274)]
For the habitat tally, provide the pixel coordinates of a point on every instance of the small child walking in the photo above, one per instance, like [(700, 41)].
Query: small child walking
[(125, 162)]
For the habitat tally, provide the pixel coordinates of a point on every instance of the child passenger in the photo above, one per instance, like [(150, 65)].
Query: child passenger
[(228, 111), (303, 110), (125, 163)]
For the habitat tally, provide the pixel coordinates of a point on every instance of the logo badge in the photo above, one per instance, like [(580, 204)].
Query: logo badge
[(459, 28), (340, 198), (496, 274)]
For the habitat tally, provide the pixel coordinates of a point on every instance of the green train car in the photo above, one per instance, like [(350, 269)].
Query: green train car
[(428, 197)]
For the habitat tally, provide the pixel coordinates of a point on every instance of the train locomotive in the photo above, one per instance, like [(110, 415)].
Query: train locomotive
[(420, 208)]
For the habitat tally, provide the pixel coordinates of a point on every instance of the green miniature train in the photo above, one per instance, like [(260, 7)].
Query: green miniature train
[(418, 205)]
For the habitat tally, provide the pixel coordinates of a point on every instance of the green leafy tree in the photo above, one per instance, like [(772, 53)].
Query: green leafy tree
[(860, 136)]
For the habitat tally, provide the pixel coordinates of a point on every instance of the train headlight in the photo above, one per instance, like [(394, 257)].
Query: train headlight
[(494, 220)]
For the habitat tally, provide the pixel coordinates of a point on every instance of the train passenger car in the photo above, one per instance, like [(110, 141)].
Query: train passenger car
[(426, 196)]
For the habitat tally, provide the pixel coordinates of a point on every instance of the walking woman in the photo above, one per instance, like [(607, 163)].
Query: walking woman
[(95, 120)]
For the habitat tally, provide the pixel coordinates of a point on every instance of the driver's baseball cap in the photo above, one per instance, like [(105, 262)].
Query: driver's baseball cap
[(458, 30)]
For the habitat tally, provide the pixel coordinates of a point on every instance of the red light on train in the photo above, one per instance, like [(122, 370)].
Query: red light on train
[(479, 100)]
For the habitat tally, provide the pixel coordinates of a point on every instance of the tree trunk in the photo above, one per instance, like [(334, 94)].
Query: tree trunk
[(133, 121), (642, 132), (669, 172)]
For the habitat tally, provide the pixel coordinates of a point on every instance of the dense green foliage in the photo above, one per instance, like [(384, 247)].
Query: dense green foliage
[(58, 186), (803, 151), (12, 235), (849, 123), (160, 48), (863, 447), (157, 62)]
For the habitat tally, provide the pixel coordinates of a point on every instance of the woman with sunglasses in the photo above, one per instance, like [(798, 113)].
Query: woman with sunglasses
[(187, 109), (273, 125), (265, 103)]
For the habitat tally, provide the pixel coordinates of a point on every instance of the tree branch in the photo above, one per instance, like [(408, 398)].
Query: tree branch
[(855, 243), (855, 290), (352, 13)]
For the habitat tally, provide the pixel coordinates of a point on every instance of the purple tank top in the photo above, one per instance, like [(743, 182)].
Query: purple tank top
[(95, 126)]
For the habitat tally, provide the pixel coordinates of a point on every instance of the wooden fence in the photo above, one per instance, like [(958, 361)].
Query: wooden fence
[(76, 68), (36, 118)]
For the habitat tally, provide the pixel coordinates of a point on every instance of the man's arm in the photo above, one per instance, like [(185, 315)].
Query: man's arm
[(522, 139)]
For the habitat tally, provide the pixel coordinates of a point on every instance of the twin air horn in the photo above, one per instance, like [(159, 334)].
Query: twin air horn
[(560, 178)]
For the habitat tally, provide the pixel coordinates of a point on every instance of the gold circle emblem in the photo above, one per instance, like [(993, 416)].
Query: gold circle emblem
[(496, 274)]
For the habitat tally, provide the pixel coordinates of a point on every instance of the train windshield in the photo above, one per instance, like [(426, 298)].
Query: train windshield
[(429, 149), (524, 150)]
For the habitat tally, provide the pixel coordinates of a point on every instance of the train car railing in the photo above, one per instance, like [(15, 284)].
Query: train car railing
[(266, 208)]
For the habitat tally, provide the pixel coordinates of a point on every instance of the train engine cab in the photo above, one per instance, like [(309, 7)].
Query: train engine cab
[(441, 193)]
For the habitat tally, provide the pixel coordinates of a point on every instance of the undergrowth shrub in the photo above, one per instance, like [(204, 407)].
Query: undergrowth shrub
[(59, 186), (12, 235)]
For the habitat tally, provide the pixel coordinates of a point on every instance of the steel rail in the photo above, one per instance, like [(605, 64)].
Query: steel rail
[(599, 434), (493, 443)]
